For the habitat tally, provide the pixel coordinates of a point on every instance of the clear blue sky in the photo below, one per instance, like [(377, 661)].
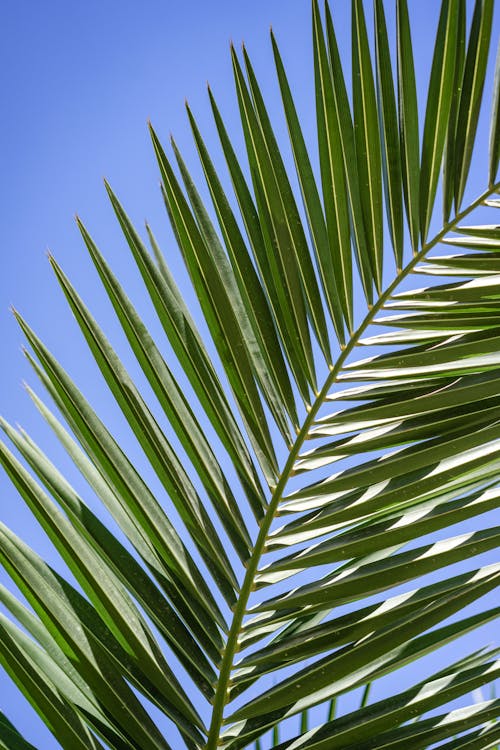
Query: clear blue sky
[(78, 82)]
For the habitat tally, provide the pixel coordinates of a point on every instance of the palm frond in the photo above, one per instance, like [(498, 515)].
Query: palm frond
[(280, 554)]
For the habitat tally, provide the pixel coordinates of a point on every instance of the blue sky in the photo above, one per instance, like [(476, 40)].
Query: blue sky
[(78, 82)]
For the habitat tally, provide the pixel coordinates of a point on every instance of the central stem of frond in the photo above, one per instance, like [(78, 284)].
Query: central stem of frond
[(231, 647)]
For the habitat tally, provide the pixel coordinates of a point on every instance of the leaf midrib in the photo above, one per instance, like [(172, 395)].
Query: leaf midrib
[(224, 680)]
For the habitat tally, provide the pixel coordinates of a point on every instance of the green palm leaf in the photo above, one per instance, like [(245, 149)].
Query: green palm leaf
[(292, 541)]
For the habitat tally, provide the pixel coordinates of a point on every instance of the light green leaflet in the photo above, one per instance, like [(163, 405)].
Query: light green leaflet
[(391, 155), (440, 99), (408, 122)]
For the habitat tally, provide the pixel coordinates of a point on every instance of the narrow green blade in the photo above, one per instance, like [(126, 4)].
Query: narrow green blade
[(84, 639), (112, 603), (311, 199), (363, 252), (471, 92), (219, 313), (279, 242), (368, 152), (403, 527), (291, 214), (138, 502), (333, 180), (439, 100), (46, 656), (389, 130), (352, 666), (426, 732), (10, 738), (450, 145), (272, 367), (358, 579), (362, 725), (333, 675), (120, 561), (408, 121), (313, 639), (495, 124), (59, 716), (222, 265), (188, 347), (175, 404), (158, 449), (266, 263)]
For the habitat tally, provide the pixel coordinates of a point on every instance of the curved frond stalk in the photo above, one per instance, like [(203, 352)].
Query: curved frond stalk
[(258, 550)]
